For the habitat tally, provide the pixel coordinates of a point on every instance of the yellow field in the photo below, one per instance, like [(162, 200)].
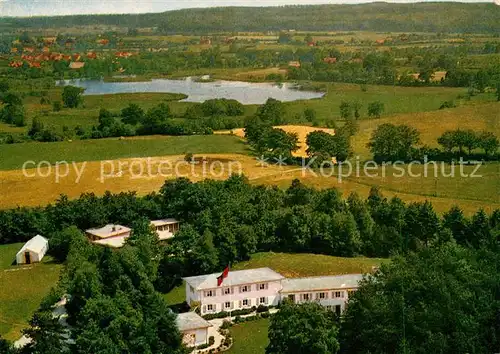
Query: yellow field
[(126, 175), (301, 130), (432, 125)]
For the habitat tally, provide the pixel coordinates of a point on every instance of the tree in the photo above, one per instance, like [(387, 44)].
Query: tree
[(272, 112), (307, 328), (470, 140), (46, 334), (422, 225), (488, 142), (310, 114), (345, 110), (72, 96), (106, 119), (390, 142), (375, 109), (455, 221), (132, 114), (36, 127), (421, 303), (4, 86), (60, 242), (447, 141)]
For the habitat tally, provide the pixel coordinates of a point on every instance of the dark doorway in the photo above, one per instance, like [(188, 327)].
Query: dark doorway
[(27, 257)]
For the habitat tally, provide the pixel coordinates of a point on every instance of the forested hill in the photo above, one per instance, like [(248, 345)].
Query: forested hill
[(416, 17)]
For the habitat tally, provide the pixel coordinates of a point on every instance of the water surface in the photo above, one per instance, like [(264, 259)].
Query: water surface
[(244, 92)]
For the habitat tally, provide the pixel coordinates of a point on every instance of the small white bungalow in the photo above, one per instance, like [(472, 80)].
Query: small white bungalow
[(165, 228), (109, 235), (194, 329), (33, 250)]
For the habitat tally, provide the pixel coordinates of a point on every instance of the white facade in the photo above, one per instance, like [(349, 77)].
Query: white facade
[(33, 250), (263, 286), (241, 289)]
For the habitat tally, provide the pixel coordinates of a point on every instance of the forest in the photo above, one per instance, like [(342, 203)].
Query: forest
[(419, 17)]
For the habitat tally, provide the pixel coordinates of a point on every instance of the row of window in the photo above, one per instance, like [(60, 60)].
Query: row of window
[(241, 289), (229, 305), (321, 295)]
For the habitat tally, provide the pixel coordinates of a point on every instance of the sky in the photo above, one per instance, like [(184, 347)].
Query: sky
[(72, 7)]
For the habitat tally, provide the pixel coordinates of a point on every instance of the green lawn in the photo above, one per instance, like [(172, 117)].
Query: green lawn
[(13, 156), (306, 265), (250, 337), (22, 288), (176, 295)]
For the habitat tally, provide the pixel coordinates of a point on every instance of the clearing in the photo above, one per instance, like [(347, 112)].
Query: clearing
[(22, 289)]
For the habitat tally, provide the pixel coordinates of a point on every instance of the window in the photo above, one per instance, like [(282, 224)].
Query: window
[(305, 297), (262, 300), (350, 292), (210, 307), (339, 294), (291, 297), (322, 295), (262, 286), (227, 291), (246, 302), (245, 289), (227, 305), (209, 293)]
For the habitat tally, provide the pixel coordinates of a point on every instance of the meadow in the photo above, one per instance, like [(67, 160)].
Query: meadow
[(13, 156), (250, 337), (22, 289)]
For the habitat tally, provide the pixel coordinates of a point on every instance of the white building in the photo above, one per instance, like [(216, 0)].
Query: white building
[(33, 250), (330, 291), (263, 286), (241, 289), (194, 329), (109, 235), (165, 228)]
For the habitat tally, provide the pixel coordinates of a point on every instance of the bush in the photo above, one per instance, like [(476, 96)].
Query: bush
[(262, 308), (56, 106), (211, 316), (211, 340), (265, 314), (225, 324), (189, 157), (447, 104)]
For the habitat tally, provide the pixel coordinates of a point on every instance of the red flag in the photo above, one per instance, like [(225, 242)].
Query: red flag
[(223, 276)]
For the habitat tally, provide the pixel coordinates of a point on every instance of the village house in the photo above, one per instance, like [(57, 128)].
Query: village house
[(194, 329), (263, 286), (329, 60), (76, 65), (33, 251), (165, 228), (110, 235)]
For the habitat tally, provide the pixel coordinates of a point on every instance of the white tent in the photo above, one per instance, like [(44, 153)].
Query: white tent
[(33, 250)]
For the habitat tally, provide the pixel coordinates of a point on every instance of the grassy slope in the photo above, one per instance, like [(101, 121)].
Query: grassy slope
[(308, 265), (13, 156), (250, 337), (22, 289)]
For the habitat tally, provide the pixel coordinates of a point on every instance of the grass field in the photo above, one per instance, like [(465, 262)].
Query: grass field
[(21, 289), (250, 337), (300, 265), (432, 124), (13, 156)]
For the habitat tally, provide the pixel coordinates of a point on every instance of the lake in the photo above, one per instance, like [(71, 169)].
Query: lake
[(244, 92)]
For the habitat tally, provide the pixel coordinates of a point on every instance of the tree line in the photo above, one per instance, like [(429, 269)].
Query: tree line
[(390, 143)]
